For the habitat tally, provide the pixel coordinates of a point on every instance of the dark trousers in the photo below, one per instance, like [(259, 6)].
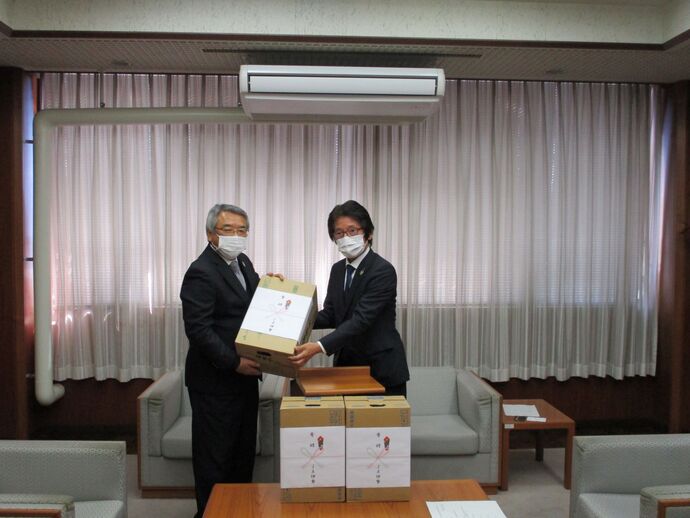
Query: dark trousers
[(223, 439), (397, 390)]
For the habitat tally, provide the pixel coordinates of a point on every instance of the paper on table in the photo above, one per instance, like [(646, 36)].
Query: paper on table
[(536, 419), (465, 509), (521, 410)]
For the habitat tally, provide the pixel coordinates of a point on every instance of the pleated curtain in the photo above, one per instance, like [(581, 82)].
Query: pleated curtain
[(523, 221)]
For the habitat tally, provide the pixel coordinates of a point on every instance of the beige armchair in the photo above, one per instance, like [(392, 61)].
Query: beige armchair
[(66, 479), (455, 426), (164, 422)]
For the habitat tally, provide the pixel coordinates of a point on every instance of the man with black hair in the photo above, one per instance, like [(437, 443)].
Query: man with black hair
[(360, 305)]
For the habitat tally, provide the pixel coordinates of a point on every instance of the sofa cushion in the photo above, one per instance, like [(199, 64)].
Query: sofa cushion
[(177, 442), (100, 508), (432, 391), (442, 435), (608, 505)]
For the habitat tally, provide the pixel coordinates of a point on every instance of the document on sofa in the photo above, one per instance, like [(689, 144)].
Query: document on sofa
[(465, 509), (521, 410)]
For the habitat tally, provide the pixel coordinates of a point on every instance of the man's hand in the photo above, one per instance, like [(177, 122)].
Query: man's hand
[(279, 275), (248, 367), (303, 353)]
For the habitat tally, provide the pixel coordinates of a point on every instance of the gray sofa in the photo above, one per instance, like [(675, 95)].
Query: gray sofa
[(80, 479), (164, 419), (626, 476), (455, 426)]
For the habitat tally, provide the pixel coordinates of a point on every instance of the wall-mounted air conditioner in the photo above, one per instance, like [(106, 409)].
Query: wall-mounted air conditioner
[(348, 94)]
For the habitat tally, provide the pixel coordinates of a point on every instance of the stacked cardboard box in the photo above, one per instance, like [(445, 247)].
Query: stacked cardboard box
[(377, 466), (312, 449), (280, 316)]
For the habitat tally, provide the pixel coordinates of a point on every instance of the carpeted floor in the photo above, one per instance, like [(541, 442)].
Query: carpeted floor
[(536, 490)]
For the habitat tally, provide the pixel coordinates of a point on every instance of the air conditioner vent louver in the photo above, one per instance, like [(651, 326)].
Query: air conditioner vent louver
[(363, 94)]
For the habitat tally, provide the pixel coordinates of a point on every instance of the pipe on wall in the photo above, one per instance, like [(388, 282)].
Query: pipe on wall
[(45, 122)]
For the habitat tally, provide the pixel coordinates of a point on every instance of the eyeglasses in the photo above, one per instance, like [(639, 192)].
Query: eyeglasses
[(350, 231), (232, 231)]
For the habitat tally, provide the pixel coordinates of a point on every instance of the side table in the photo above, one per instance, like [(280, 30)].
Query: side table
[(555, 419)]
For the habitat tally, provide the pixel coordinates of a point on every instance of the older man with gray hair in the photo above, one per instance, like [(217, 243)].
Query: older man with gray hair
[(223, 387)]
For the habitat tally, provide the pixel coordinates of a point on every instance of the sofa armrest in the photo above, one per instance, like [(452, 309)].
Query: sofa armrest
[(654, 499), (270, 394), (52, 505), (159, 408), (627, 463), (479, 406)]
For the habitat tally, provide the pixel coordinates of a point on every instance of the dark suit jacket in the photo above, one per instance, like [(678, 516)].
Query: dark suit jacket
[(213, 307), (364, 320)]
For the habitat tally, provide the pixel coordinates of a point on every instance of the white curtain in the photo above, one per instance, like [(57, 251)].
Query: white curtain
[(523, 221)]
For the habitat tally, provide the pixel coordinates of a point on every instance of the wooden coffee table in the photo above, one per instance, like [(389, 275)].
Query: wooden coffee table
[(258, 500), (555, 419)]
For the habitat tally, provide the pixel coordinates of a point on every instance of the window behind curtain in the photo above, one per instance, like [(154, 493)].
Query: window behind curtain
[(523, 221)]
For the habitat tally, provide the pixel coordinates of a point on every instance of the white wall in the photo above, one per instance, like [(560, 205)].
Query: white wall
[(642, 22), (5, 12), (677, 18)]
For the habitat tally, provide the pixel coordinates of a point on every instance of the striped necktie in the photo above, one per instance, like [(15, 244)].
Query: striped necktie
[(235, 267)]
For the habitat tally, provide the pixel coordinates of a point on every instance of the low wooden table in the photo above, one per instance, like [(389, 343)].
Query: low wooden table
[(555, 419), (258, 500), (337, 381)]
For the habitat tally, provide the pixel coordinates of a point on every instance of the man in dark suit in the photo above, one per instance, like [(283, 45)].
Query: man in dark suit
[(360, 304), (223, 388)]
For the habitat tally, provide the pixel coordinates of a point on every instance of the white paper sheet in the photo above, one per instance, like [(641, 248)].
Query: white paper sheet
[(378, 457), (465, 509), (277, 313), (521, 410), (312, 456)]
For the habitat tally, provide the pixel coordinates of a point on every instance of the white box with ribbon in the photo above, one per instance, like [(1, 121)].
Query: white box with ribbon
[(312, 449), (377, 435)]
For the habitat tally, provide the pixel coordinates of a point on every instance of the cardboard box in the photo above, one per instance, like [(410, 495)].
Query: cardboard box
[(280, 316), (377, 435), (312, 449)]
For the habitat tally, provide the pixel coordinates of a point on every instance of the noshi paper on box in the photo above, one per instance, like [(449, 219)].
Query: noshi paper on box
[(312, 449), (280, 317), (378, 448)]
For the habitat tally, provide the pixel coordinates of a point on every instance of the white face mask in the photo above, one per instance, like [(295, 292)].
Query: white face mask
[(351, 246), (231, 246)]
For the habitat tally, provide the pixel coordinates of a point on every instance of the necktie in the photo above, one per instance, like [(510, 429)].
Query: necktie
[(235, 267), (349, 272)]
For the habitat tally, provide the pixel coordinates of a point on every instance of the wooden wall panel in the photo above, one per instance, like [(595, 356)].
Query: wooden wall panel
[(637, 399), (674, 304), (13, 403), (91, 405)]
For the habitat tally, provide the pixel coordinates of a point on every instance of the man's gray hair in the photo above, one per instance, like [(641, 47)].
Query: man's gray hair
[(215, 211)]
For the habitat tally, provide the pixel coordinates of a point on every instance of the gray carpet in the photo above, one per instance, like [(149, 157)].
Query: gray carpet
[(535, 490)]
